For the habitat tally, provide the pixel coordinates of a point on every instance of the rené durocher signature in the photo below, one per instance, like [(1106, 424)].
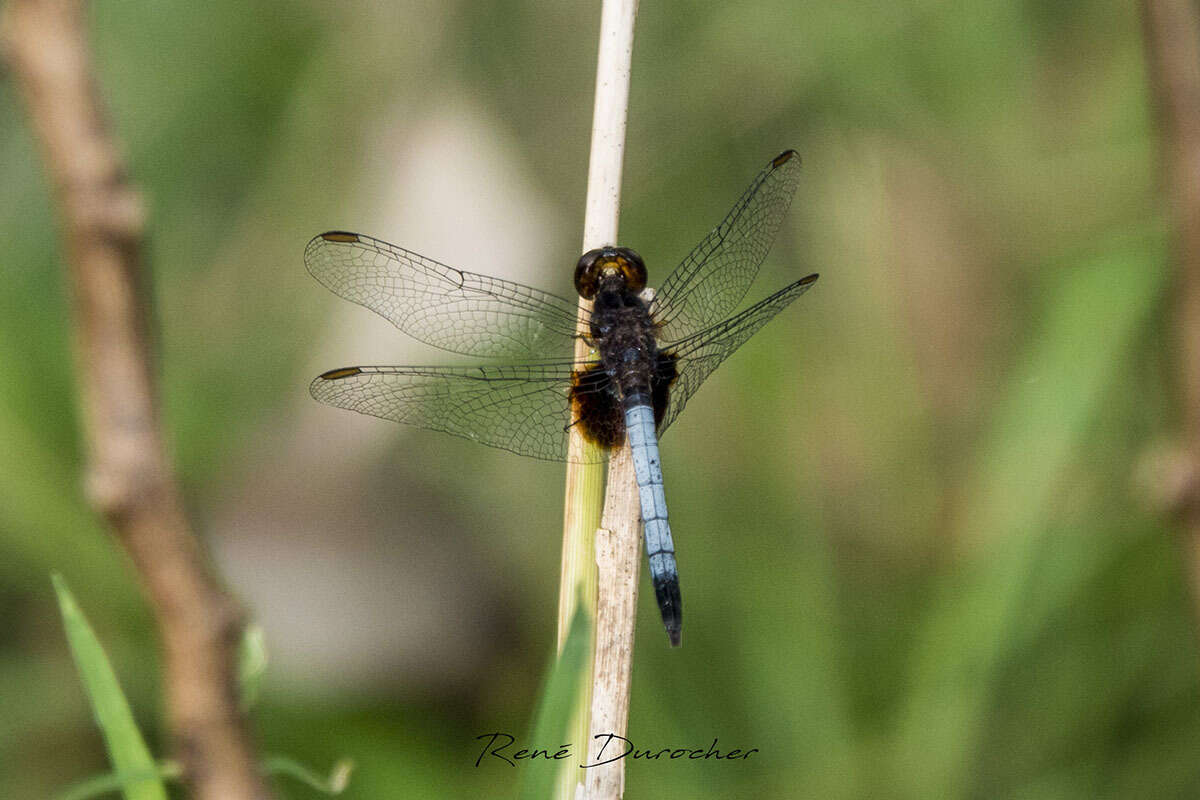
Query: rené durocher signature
[(498, 746)]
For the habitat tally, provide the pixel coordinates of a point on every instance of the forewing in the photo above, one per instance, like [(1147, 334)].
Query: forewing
[(716, 275), (523, 408), (457, 311), (698, 355)]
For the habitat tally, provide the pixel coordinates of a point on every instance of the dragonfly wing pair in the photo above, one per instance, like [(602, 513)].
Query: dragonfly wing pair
[(525, 407)]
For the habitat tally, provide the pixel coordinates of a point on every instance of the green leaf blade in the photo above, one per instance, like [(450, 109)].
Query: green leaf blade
[(126, 748), (555, 707)]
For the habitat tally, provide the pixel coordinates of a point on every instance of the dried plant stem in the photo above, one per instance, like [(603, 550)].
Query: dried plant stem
[(618, 558), (1172, 34), (584, 482), (129, 477)]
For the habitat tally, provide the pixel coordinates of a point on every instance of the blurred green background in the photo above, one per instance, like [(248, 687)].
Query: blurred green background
[(917, 555)]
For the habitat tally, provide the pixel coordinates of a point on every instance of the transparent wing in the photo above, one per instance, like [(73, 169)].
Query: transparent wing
[(716, 275), (524, 408), (457, 311), (700, 354)]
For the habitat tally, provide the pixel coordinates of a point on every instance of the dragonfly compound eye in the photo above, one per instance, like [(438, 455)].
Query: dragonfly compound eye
[(595, 265)]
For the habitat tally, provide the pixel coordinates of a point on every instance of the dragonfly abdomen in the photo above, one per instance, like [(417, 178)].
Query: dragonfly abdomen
[(660, 549)]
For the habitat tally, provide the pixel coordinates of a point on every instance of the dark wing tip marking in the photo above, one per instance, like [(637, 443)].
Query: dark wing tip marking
[(345, 237), (338, 374), (808, 280), (784, 157)]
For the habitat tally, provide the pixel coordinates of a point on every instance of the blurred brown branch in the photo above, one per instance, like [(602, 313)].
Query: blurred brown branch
[(129, 477), (1172, 35)]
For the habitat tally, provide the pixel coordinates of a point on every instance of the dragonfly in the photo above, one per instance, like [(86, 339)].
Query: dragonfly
[(647, 351)]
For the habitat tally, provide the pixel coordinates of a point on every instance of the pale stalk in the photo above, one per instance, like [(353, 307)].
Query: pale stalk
[(585, 482), (618, 556)]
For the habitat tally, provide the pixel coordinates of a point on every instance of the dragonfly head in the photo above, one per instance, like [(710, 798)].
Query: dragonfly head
[(608, 265)]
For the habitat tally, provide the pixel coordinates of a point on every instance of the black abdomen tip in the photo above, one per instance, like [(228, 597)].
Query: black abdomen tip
[(670, 603)]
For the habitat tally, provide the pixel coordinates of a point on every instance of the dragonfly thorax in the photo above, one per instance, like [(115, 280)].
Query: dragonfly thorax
[(624, 336)]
